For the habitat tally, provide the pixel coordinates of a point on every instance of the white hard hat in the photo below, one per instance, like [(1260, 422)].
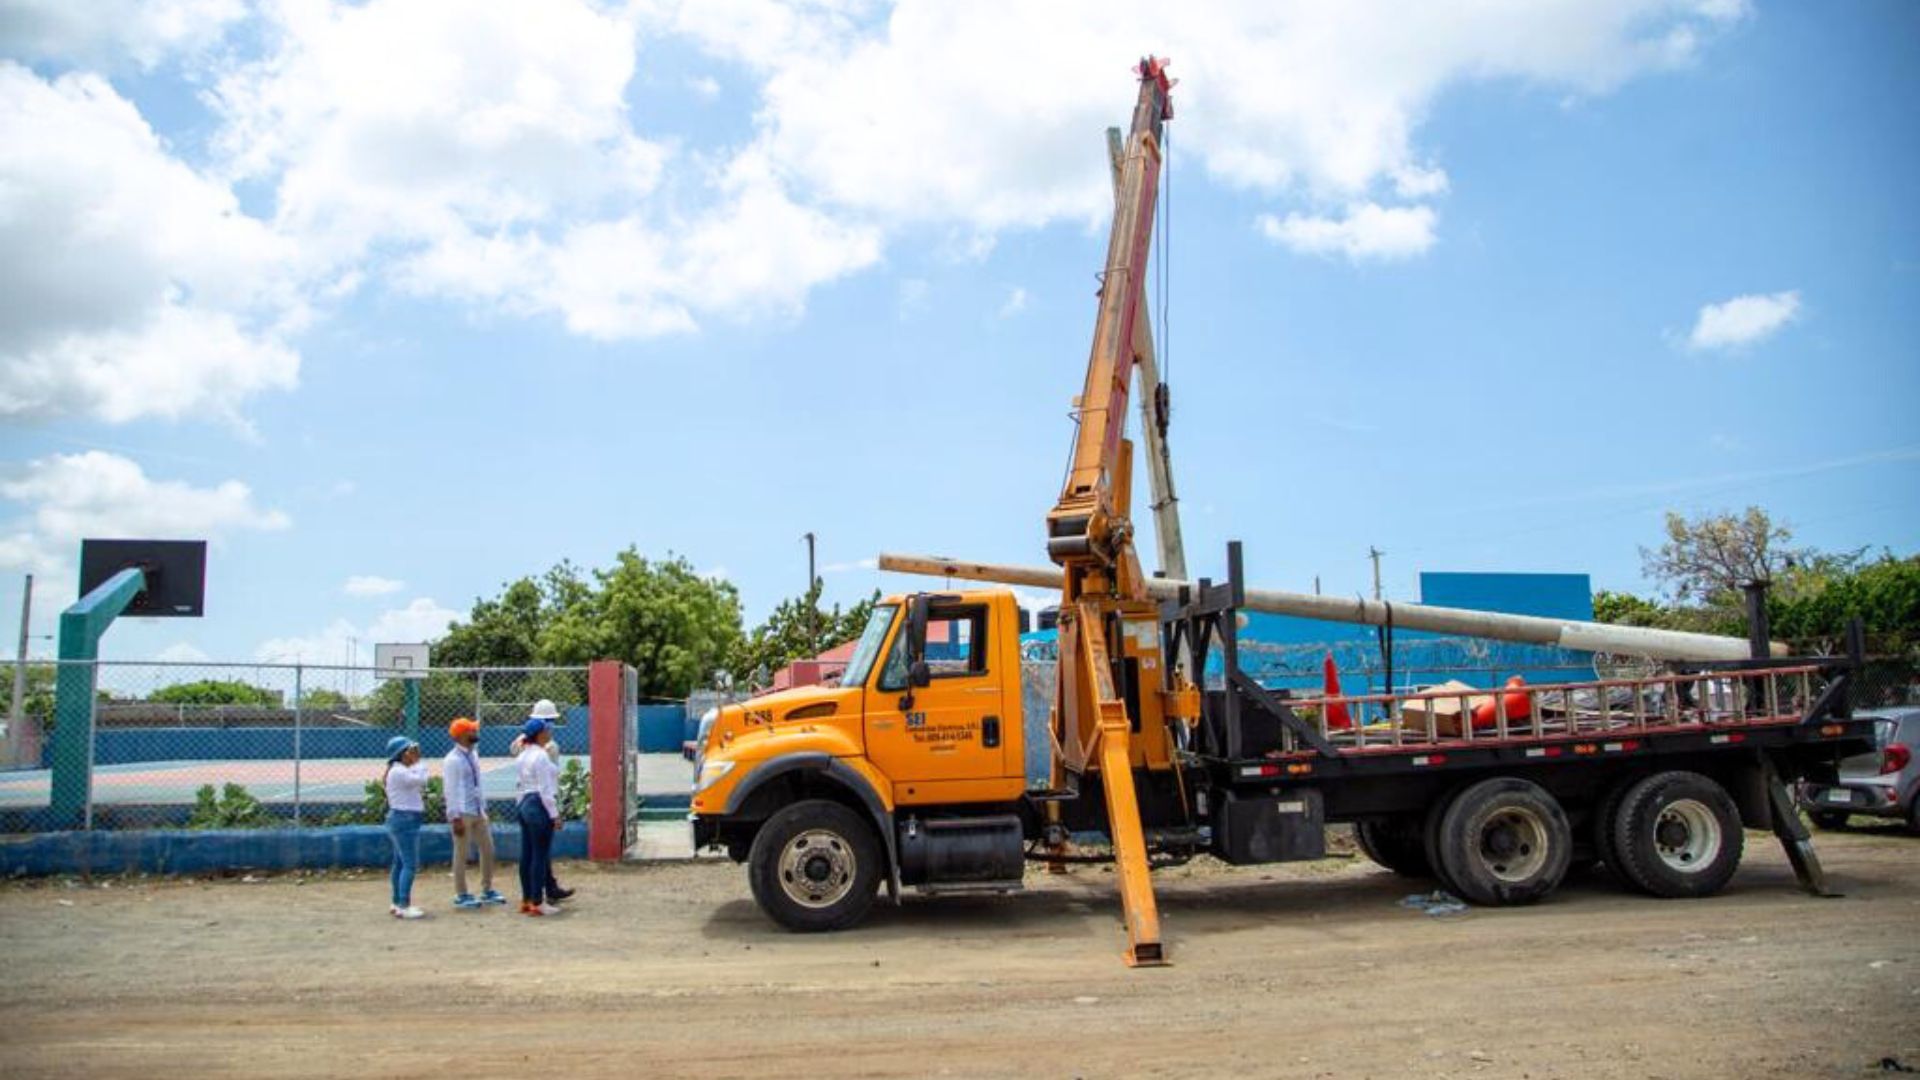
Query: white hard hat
[(544, 710)]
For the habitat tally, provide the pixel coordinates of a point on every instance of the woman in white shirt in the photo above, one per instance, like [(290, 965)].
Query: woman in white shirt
[(537, 804), (406, 783)]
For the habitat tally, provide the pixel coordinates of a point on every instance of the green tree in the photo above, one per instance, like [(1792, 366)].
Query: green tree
[(673, 625), (1883, 594), (216, 692), (1626, 609), (1707, 559), (321, 697)]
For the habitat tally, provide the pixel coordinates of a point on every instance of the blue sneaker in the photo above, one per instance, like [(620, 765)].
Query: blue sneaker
[(492, 896), (465, 900)]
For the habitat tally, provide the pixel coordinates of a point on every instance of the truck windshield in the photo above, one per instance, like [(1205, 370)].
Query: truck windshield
[(868, 646)]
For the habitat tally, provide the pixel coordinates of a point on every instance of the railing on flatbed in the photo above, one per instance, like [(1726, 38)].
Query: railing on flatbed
[(1651, 705)]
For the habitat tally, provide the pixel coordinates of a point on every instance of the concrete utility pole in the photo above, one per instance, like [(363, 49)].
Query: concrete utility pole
[(1374, 553), (1153, 429), (1532, 629), (20, 664)]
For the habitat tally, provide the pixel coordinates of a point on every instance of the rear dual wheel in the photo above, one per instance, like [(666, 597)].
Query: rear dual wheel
[(1396, 844), (1502, 841), (1676, 834)]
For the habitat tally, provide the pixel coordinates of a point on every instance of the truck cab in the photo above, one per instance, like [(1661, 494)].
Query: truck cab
[(910, 772)]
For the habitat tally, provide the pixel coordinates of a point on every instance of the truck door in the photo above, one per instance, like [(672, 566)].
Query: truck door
[(942, 737)]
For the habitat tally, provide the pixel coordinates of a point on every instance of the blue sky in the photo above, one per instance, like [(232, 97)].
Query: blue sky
[(396, 303)]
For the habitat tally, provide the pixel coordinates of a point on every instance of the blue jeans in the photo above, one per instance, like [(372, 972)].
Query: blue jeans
[(403, 828), (536, 849)]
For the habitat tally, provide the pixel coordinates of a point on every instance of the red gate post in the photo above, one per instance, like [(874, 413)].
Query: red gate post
[(607, 731)]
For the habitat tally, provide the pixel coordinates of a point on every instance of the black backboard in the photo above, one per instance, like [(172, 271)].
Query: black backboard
[(176, 573)]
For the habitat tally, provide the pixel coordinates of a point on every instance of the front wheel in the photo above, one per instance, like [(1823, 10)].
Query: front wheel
[(815, 866)]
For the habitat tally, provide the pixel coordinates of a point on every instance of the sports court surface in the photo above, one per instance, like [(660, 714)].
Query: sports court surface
[(333, 780)]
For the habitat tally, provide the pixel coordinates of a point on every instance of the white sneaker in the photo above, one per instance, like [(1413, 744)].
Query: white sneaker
[(549, 909), (409, 913)]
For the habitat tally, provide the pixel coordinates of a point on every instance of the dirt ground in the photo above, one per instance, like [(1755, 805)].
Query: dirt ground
[(669, 970)]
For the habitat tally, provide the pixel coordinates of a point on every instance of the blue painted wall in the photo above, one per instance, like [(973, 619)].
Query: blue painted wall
[(1283, 651), (193, 851)]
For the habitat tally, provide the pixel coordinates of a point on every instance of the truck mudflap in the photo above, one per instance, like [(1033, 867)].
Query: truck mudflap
[(839, 772)]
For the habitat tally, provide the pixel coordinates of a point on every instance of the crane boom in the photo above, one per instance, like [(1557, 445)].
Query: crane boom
[(1083, 522)]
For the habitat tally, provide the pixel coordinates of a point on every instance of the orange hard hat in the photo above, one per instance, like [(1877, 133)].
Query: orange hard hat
[(463, 726)]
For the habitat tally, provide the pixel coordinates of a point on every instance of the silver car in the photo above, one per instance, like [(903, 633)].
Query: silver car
[(1881, 784)]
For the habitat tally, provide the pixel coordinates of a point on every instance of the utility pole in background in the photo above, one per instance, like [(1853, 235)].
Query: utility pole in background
[(813, 608), (1374, 553), (20, 664)]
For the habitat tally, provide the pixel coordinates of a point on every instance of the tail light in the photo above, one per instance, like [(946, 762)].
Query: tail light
[(1894, 758)]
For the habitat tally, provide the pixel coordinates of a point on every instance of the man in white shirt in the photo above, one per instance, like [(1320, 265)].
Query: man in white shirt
[(467, 815)]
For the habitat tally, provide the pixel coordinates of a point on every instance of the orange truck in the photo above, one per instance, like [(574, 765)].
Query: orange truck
[(943, 762)]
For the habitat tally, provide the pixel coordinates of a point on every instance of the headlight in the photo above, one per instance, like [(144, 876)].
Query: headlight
[(710, 774)]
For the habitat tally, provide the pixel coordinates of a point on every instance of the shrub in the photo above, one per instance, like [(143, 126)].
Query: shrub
[(235, 808)]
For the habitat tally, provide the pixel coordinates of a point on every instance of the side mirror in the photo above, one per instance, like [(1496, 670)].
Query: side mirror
[(919, 674)]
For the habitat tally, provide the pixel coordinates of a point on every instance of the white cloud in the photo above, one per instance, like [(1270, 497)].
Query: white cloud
[(68, 497), (1015, 303), (342, 640), (1743, 320), (103, 31), (181, 652), (372, 585), (461, 150), (1366, 231), (130, 284), (987, 113)]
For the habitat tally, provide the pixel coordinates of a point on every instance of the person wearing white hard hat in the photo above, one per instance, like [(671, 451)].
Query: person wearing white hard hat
[(548, 713)]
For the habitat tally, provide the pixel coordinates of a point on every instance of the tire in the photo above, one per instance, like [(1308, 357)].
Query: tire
[(1604, 814), (1913, 813), (1827, 819), (1430, 840), (815, 866), (1396, 844), (1505, 841), (1678, 834)]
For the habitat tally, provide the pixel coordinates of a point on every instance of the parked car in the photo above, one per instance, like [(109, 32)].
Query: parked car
[(1881, 784)]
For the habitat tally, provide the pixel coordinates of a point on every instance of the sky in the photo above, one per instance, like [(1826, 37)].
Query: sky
[(394, 302)]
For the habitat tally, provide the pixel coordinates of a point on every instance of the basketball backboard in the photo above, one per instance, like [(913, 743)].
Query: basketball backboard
[(398, 660), (176, 574)]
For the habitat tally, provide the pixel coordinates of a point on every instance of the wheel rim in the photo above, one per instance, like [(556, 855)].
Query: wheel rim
[(817, 868), (1513, 844), (1686, 835)]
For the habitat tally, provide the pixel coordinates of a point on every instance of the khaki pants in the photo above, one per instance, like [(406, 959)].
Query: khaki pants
[(478, 834)]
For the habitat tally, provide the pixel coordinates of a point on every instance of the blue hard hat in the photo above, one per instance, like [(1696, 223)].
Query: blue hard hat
[(533, 727), (398, 745)]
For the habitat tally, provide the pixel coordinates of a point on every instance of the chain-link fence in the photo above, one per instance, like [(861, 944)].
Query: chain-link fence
[(258, 745)]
